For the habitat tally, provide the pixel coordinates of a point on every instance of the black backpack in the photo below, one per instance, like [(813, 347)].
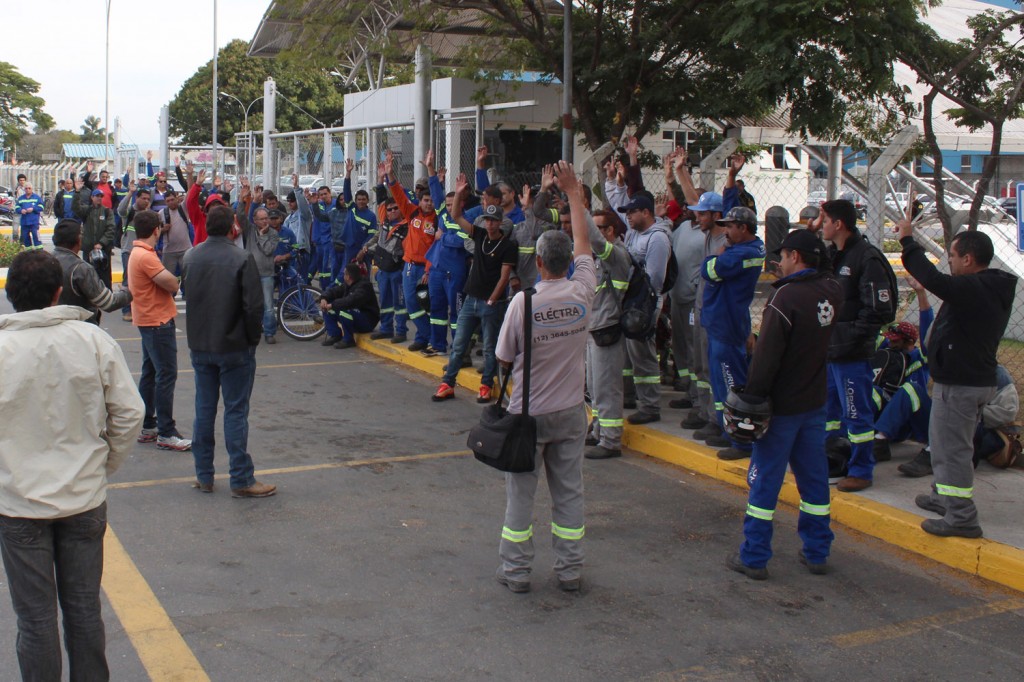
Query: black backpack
[(640, 304), (889, 367), (894, 285)]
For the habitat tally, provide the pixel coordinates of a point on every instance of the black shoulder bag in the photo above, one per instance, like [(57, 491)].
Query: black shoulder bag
[(506, 441)]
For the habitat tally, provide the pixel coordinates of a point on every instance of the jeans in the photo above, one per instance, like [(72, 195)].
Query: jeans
[(475, 310), (159, 374), (230, 375), (269, 312), (50, 561)]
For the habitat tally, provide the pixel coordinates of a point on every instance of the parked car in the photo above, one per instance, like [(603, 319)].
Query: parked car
[(817, 197), (1009, 206)]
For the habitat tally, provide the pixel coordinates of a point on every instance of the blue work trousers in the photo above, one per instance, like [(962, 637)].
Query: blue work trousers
[(347, 323), (231, 376), (727, 367), (445, 286), (323, 258), (799, 442), (412, 273), (392, 302), (906, 414), (850, 413)]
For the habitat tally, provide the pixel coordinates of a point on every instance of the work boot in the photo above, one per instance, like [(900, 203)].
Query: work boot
[(718, 440), (642, 417), (881, 449), (601, 452), (920, 466), (853, 484), (257, 489), (377, 336), (734, 562), (709, 429), (929, 503), (815, 569), (731, 454), (516, 586), (943, 529), (680, 403), (694, 421)]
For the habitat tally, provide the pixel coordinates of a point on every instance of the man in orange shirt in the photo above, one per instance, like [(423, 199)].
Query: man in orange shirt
[(153, 312), (422, 220)]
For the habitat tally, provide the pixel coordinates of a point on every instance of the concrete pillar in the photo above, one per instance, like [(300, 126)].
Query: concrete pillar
[(118, 171), (835, 171), (165, 135), (328, 164), (453, 153), (421, 106), (269, 125)]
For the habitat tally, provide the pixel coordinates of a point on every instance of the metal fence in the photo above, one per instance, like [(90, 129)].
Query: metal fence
[(43, 178)]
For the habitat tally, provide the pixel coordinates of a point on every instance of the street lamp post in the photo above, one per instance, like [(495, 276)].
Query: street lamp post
[(106, 106), (245, 126)]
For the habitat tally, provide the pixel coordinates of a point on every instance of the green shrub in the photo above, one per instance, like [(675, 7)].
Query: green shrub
[(8, 250)]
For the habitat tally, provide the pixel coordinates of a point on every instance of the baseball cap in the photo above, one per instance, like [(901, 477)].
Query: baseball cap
[(639, 203), (492, 213), (290, 196), (740, 214), (96, 193), (709, 201), (808, 213), (673, 210), (801, 240), (214, 198), (903, 330)]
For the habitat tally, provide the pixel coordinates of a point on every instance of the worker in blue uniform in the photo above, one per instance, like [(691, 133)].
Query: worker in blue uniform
[(788, 367), (730, 279)]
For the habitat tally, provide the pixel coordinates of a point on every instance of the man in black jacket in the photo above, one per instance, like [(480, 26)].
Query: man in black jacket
[(82, 286), (225, 318), (962, 345), (349, 308), (788, 367), (869, 301)]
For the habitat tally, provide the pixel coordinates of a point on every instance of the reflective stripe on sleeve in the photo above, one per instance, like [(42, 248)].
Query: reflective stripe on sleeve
[(915, 401)]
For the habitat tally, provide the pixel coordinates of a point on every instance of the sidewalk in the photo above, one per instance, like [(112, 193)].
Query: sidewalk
[(885, 511)]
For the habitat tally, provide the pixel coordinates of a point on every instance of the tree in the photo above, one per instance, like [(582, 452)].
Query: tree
[(34, 147), (92, 131), (242, 76), (19, 105), (637, 64), (984, 77)]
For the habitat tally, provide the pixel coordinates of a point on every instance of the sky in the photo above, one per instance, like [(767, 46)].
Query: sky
[(154, 48)]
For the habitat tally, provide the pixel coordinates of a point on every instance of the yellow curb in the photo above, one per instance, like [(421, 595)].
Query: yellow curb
[(987, 559), (399, 352)]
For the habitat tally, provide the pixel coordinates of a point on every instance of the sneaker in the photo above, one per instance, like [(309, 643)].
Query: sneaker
[(881, 450), (730, 454), (174, 442), (929, 503), (147, 436), (694, 421), (127, 317), (430, 352), (330, 340), (257, 489), (484, 394), (443, 392), (601, 452), (680, 404), (918, 467), (718, 440), (516, 586), (944, 530), (643, 417), (377, 336), (340, 345), (853, 484), (400, 338), (734, 562), (416, 346), (709, 429), (815, 569), (203, 487), (270, 339)]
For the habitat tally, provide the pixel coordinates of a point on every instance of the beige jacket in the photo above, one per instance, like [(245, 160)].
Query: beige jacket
[(71, 412)]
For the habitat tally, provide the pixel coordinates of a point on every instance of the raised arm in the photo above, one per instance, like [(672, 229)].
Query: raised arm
[(461, 192), (570, 184), (682, 171)]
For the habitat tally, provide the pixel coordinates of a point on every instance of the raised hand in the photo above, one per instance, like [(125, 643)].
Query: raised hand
[(227, 187), (295, 179), (389, 163), (177, 161), (567, 180), (461, 184), (190, 168), (149, 155), (131, 186), (201, 177), (481, 156), (349, 165), (428, 161), (680, 158), (380, 173), (736, 163), (633, 149), (547, 178), (216, 181), (525, 197), (442, 173), (609, 169)]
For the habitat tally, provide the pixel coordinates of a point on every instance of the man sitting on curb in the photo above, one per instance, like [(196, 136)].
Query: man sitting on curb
[(349, 308)]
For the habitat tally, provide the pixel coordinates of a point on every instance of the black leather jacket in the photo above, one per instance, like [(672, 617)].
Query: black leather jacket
[(869, 299), (82, 287), (223, 296)]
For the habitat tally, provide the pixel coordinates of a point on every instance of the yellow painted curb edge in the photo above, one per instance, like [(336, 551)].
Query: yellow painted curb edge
[(987, 559)]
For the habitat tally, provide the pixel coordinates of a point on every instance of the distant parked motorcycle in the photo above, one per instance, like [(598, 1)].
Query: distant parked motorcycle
[(6, 210)]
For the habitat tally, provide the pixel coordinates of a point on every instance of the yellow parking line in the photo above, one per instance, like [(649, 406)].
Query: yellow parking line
[(300, 469), (161, 648), (939, 620)]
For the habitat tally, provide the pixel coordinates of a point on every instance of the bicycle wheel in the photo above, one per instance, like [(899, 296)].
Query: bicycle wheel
[(298, 313)]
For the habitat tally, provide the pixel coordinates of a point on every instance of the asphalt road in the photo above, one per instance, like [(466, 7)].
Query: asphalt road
[(376, 561)]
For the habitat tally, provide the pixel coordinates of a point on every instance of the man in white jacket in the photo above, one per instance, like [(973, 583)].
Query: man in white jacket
[(72, 413)]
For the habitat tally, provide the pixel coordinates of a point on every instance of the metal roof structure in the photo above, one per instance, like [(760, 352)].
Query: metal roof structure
[(75, 150), (381, 24)]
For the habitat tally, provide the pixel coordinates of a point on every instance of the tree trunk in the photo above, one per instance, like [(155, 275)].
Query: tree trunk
[(940, 185), (986, 175)]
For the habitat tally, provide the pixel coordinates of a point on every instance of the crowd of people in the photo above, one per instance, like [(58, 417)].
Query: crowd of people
[(830, 380)]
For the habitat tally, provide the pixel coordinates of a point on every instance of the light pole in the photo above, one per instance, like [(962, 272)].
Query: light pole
[(106, 106), (245, 129)]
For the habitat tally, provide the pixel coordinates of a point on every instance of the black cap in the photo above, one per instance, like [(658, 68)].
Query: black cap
[(492, 213), (640, 203), (291, 196), (802, 240)]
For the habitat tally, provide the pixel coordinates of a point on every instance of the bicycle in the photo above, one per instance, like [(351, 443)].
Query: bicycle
[(299, 314)]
